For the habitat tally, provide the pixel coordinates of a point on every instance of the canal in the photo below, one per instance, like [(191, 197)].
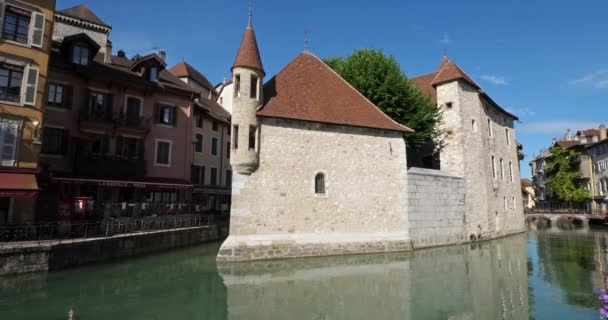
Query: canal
[(539, 275)]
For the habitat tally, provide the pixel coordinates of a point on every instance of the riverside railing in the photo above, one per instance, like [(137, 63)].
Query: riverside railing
[(59, 231)]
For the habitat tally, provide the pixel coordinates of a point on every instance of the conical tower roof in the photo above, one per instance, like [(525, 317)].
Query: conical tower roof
[(249, 54)]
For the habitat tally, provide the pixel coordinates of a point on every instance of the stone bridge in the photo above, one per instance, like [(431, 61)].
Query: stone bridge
[(554, 218)]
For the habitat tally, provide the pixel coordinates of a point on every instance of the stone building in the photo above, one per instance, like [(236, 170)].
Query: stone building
[(599, 180), (117, 131), (480, 146), (211, 171), (319, 169), (25, 45)]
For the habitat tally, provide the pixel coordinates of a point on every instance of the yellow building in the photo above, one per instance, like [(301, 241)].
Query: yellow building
[(25, 43)]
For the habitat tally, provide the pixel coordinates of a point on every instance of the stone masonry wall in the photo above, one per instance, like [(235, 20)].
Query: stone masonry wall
[(365, 200), (436, 208), (476, 131)]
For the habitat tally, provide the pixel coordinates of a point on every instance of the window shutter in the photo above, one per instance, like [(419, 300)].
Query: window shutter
[(174, 116), (68, 95), (110, 104), (37, 29), (140, 149), (105, 145), (119, 147), (2, 7), (157, 113), (31, 86), (65, 135)]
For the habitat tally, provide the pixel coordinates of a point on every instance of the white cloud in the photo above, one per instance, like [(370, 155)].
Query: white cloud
[(558, 127), (497, 80), (522, 112), (446, 39), (597, 79)]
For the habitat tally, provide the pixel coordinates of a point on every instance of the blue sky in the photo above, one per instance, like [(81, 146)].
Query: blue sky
[(543, 60)]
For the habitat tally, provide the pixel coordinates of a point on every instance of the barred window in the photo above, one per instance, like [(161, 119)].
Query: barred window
[(320, 183)]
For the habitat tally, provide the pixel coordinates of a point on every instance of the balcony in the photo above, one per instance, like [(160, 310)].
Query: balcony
[(109, 167), (114, 123)]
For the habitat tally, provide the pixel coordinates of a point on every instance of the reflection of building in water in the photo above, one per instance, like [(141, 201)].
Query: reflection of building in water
[(478, 281), (573, 262)]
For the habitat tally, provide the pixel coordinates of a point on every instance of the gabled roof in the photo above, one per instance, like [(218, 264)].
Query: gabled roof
[(184, 69), (307, 89), (83, 12), (249, 54), (151, 56), (567, 144), (448, 71)]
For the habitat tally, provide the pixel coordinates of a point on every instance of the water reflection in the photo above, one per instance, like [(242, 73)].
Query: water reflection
[(480, 281), (548, 274), (567, 266)]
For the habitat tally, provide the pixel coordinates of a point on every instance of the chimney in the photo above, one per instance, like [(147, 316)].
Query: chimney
[(603, 133), (568, 136), (162, 55), (108, 54)]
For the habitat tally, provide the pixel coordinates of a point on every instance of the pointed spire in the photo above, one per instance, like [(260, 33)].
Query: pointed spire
[(250, 23), (249, 54)]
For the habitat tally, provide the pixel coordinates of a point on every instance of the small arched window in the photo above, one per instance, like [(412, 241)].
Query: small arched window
[(320, 183)]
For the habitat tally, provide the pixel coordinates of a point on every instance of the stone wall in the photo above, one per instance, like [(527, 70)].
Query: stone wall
[(480, 145), (436, 208), (33, 257), (364, 208)]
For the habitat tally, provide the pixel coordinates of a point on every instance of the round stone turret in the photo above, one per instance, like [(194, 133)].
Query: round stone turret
[(248, 78)]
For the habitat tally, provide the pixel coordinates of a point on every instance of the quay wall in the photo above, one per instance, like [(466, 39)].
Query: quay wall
[(436, 208), (55, 255)]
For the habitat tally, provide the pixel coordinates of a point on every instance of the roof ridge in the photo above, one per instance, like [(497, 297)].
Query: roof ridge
[(359, 92)]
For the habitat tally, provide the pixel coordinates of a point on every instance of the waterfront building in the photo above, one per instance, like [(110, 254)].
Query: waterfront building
[(25, 45), (599, 157), (479, 144), (302, 149), (320, 170), (527, 193), (118, 131), (583, 141), (211, 171)]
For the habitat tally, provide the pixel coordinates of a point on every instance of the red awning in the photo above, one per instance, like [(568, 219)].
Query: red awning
[(18, 185), (138, 184)]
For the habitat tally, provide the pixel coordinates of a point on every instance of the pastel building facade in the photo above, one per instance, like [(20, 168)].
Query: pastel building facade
[(117, 130)]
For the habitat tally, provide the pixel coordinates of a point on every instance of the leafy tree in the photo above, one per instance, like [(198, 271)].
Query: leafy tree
[(379, 78), (563, 178), (136, 57)]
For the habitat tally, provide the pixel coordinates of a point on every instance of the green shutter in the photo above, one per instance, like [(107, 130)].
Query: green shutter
[(68, 96)]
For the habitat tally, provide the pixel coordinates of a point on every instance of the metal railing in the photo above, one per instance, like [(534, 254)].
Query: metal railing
[(558, 207), (65, 230)]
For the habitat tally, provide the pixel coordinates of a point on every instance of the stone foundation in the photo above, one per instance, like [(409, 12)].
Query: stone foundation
[(282, 246)]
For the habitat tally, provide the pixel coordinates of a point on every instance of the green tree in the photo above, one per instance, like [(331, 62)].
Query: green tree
[(379, 78), (563, 178)]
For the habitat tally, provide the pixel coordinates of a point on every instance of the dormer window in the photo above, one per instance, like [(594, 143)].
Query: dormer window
[(153, 74), (80, 55)]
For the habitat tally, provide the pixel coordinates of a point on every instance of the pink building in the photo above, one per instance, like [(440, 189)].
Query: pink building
[(116, 130)]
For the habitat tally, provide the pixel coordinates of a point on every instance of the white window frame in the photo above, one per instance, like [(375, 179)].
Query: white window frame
[(15, 156), (170, 142), (141, 105), (30, 31)]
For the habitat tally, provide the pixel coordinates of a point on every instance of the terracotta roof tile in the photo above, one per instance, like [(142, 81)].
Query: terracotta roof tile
[(83, 12), (423, 83), (184, 69), (307, 89), (249, 54), (449, 71), (567, 144)]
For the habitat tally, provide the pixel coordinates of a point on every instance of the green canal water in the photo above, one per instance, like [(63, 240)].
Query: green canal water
[(540, 275)]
